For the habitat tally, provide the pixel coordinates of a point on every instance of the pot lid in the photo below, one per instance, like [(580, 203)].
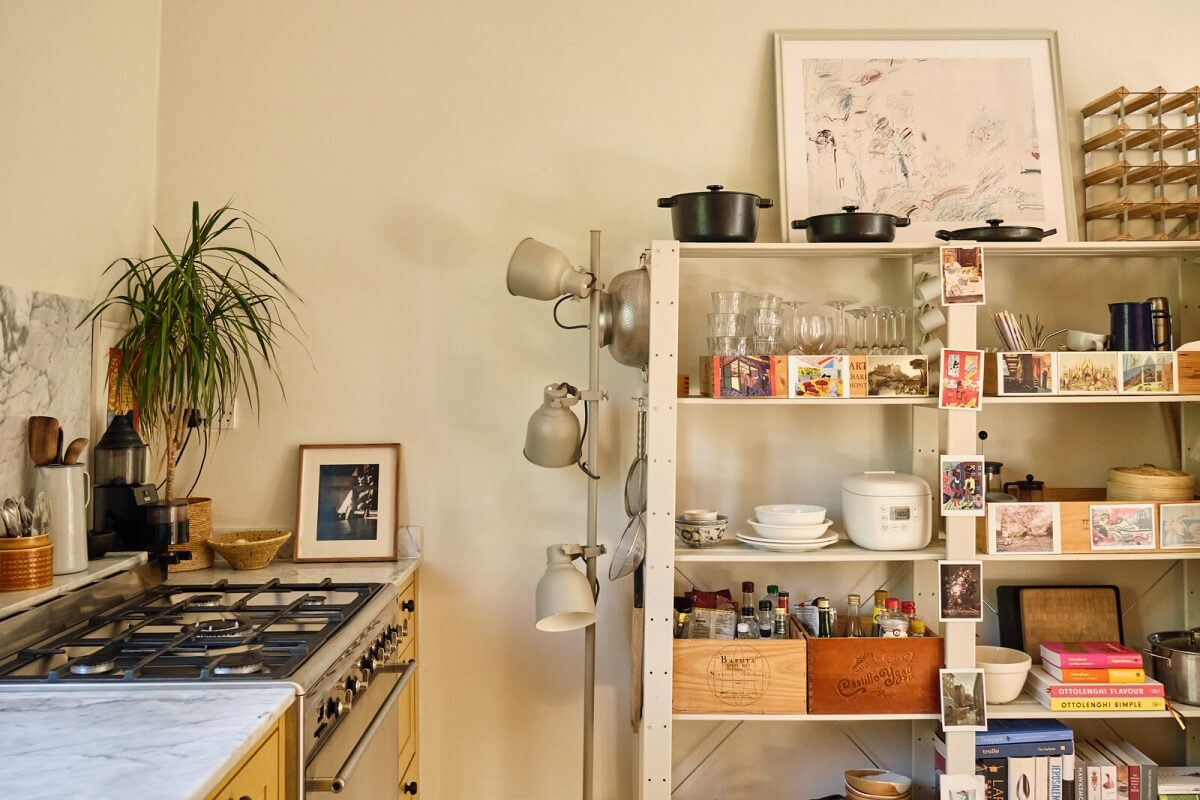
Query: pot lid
[(1179, 641), (713, 188), (885, 484), (121, 435)]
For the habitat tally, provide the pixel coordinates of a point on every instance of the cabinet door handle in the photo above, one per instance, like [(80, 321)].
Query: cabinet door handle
[(410, 787), (409, 605)]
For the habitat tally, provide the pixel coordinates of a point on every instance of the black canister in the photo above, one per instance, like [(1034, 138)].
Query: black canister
[(120, 457), (1131, 328)]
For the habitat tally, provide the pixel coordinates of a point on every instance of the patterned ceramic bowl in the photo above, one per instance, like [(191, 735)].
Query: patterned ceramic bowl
[(702, 533)]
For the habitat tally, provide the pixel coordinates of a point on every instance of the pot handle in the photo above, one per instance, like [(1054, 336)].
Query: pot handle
[(1153, 654), (1049, 232), (849, 209), (903, 222), (714, 187), (667, 202), (945, 236), (799, 224), (765, 203)]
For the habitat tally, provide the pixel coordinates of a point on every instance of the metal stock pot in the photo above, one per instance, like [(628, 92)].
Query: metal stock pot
[(1176, 659)]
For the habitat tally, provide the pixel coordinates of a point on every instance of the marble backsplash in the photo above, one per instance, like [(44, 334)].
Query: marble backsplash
[(45, 369)]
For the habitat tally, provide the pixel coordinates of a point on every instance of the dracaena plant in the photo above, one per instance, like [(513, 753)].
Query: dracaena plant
[(204, 324)]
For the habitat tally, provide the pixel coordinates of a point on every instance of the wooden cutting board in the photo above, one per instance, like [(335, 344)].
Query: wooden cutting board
[(1030, 615)]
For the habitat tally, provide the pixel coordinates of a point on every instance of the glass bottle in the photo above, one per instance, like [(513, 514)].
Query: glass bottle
[(772, 596), (823, 631), (893, 623), (909, 609), (880, 607), (748, 594), (781, 631), (744, 631), (785, 601), (766, 618), (853, 625)]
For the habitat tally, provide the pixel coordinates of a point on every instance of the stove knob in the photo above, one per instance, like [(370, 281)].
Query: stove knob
[(334, 708), (367, 664), (353, 686)]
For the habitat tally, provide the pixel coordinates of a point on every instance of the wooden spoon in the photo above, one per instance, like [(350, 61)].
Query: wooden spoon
[(43, 440), (58, 447), (75, 450)]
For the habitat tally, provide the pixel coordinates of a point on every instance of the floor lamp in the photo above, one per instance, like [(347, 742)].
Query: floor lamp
[(566, 599)]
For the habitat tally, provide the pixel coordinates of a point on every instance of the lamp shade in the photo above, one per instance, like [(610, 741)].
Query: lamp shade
[(552, 437), (564, 597), (540, 272)]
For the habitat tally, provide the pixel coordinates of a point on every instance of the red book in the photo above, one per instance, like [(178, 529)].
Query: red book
[(1149, 688), (1090, 655)]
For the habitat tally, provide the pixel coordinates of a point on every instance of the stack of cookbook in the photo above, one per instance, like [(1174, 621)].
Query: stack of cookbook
[(1094, 676), (1021, 758)]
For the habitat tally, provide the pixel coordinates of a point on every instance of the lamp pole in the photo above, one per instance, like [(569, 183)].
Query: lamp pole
[(591, 552)]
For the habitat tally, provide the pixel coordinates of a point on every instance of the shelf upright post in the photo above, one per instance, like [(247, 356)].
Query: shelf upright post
[(654, 740), (961, 439)]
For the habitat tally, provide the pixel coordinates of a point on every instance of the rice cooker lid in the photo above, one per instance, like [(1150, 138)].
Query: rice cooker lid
[(886, 483)]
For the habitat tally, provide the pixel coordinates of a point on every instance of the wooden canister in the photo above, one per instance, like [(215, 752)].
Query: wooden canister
[(1148, 483), (26, 562)]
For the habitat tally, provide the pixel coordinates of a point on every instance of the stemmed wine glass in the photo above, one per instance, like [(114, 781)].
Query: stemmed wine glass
[(860, 330), (877, 329), (791, 326), (839, 343), (900, 315)]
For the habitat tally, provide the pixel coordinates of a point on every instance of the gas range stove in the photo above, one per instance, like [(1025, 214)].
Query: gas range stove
[(337, 643), (206, 632)]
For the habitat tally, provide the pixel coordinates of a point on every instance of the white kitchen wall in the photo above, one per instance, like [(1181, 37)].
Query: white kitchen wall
[(397, 152), (78, 122)]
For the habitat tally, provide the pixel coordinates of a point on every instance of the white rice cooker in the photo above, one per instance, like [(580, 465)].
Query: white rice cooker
[(887, 510)]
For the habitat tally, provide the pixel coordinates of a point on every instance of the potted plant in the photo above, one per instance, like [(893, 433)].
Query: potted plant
[(204, 323)]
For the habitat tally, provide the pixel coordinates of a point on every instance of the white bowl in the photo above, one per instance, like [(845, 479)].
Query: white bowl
[(789, 515), (1004, 672), (790, 533), (699, 515)]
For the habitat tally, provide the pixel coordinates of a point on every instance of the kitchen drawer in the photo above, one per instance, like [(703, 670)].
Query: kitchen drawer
[(259, 777), (409, 784), (407, 703)]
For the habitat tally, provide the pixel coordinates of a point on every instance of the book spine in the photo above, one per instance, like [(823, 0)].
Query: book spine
[(1097, 675), (995, 777), (1024, 749), (1135, 783), (1081, 779), (1014, 737), (1021, 778), (1073, 660), (1041, 778), (1108, 782), (1056, 777), (1103, 704), (1107, 690)]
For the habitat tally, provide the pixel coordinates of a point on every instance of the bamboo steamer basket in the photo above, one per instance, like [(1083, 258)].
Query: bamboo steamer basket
[(26, 562), (1148, 483), (199, 532), (249, 549)]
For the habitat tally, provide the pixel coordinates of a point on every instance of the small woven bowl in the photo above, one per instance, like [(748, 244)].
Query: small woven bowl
[(249, 549)]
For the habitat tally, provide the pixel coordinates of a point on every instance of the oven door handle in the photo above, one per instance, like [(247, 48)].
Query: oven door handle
[(337, 784)]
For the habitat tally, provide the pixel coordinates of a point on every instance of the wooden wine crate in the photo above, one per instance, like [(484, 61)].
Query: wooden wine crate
[(874, 676), (1188, 362), (740, 676)]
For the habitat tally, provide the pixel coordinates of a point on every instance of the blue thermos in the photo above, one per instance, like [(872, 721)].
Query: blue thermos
[(1131, 327)]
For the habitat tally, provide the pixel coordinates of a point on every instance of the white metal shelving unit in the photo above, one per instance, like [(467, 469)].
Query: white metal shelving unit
[(932, 432)]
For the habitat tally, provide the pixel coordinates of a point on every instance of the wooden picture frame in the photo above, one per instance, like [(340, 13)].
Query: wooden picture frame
[(347, 502)]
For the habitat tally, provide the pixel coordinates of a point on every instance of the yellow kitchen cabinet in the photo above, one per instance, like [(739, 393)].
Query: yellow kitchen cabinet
[(264, 773), (410, 784), (407, 702)]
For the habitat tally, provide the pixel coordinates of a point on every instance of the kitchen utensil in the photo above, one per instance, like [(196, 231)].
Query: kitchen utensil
[(58, 448), (789, 514), (1030, 615), (26, 517), (996, 231), (701, 534), (120, 455), (1146, 483), (1082, 341), (1029, 490), (41, 514), (248, 549), (930, 319), (715, 215), (43, 439), (1175, 660), (1160, 320), (99, 543), (631, 549), (74, 450), (995, 488), (637, 644), (11, 515), (790, 533), (626, 306), (729, 302), (1004, 672), (777, 546), (1130, 326), (635, 480), (68, 492), (726, 324), (851, 226), (886, 510), (928, 288)]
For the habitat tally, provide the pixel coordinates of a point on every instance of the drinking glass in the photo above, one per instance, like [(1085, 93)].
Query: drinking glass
[(729, 302), (901, 330), (877, 330), (766, 321), (860, 331), (839, 341), (816, 333), (726, 324), (765, 301), (791, 325)]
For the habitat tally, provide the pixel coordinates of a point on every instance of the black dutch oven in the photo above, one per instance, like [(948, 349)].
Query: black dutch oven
[(995, 231), (851, 226), (715, 215)]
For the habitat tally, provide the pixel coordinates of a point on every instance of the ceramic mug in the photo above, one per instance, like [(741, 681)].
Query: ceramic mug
[(928, 288), (930, 319), (1082, 341), (932, 348), (67, 488)]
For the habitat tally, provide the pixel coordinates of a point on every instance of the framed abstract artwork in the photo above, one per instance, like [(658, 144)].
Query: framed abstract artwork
[(945, 127)]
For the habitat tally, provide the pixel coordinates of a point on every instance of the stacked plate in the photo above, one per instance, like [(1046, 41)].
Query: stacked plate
[(789, 529), (877, 784)]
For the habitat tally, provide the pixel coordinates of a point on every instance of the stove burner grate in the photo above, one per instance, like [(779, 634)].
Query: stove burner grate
[(246, 662), (97, 663), (204, 600), (220, 627)]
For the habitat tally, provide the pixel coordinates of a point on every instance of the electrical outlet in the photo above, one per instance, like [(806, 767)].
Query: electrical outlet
[(229, 420)]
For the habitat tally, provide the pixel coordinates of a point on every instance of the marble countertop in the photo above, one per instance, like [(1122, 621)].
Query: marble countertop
[(289, 571), (163, 742), (12, 602)]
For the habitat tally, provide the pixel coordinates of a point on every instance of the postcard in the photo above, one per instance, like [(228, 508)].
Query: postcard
[(1025, 373), (1148, 373), (1087, 372), (962, 276), (962, 379), (1024, 528), (963, 484), (1179, 525), (1122, 526)]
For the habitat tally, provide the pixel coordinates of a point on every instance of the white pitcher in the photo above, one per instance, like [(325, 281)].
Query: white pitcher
[(68, 490)]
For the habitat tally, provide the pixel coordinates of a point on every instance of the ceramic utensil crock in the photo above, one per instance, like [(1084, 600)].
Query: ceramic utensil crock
[(67, 488)]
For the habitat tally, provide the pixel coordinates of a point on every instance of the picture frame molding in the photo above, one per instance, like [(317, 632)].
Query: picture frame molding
[(396, 526)]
